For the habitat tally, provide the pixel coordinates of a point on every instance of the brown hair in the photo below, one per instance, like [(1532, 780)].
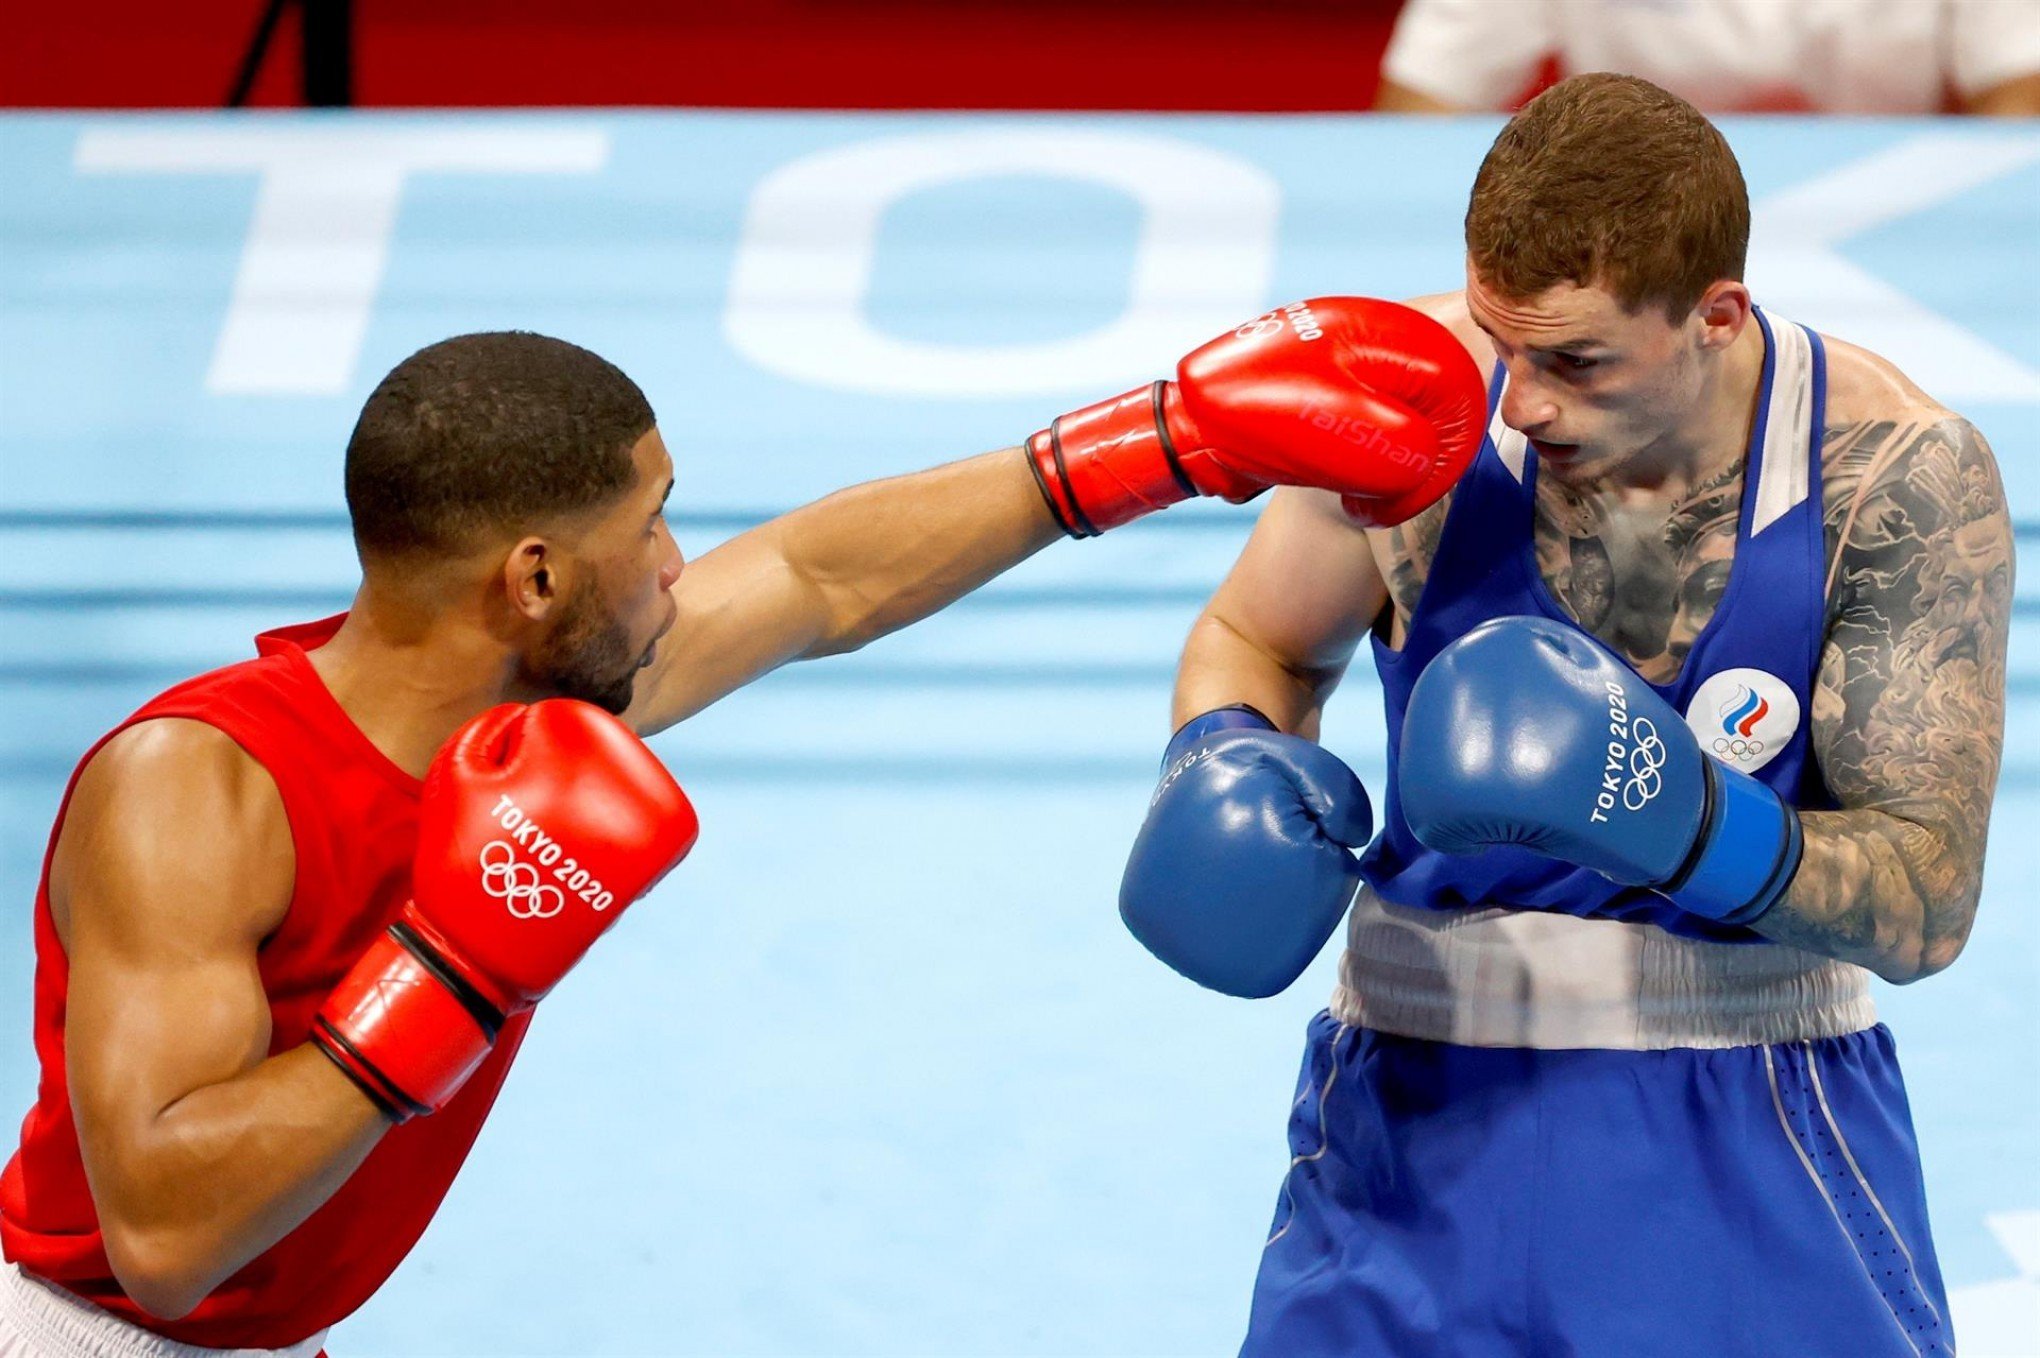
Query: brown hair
[(1609, 181)]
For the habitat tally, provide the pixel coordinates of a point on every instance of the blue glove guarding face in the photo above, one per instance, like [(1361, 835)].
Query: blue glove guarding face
[(1525, 731), (1244, 868)]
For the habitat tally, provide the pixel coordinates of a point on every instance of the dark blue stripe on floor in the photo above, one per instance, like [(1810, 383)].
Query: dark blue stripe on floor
[(1048, 674), (857, 674), (311, 602), (335, 520), (314, 600)]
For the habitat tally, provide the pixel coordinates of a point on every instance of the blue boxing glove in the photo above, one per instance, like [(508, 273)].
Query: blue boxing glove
[(1244, 867), (1527, 732)]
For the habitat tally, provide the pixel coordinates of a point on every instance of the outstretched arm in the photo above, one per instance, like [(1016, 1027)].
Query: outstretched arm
[(1909, 706), (1373, 401), (838, 573)]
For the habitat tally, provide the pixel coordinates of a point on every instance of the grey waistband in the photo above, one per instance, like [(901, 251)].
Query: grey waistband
[(41, 1319), (1499, 977)]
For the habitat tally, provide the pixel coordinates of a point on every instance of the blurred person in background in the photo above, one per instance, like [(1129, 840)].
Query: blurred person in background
[(1724, 56)]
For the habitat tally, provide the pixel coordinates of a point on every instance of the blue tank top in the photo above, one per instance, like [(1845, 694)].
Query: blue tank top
[(1745, 688)]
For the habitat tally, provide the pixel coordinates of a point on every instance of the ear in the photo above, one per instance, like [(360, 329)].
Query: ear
[(1723, 311), (535, 577)]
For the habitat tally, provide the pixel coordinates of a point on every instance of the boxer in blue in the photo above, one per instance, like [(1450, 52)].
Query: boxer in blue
[(1695, 696)]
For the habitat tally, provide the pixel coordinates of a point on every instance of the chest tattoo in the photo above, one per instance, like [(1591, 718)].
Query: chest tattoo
[(1644, 581)]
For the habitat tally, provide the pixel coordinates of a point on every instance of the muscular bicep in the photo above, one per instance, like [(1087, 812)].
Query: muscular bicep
[(1909, 705), (1306, 587), (173, 864)]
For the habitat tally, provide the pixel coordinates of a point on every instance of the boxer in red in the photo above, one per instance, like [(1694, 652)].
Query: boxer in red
[(296, 912)]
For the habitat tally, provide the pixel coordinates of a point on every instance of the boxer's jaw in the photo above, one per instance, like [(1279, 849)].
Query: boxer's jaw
[(586, 654), (622, 603)]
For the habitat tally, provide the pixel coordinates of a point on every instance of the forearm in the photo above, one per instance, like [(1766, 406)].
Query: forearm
[(220, 1175), (1908, 704), (2018, 97), (1878, 890), (833, 575), (1222, 665), (1395, 97), (886, 554)]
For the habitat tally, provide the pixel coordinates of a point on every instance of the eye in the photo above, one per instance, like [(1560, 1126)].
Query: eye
[(1576, 362)]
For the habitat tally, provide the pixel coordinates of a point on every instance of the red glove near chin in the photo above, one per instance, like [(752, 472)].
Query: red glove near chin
[(539, 825), (1370, 399)]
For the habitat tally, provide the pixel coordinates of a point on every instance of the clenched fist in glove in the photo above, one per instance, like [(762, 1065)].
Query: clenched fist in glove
[(1366, 398), (538, 826), (1244, 868)]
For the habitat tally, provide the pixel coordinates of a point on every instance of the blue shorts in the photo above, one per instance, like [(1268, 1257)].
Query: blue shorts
[(1704, 1203)]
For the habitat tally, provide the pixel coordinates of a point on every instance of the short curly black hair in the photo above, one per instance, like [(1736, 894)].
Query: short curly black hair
[(488, 434)]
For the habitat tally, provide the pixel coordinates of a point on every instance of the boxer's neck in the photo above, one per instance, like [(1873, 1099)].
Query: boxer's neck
[(408, 680)]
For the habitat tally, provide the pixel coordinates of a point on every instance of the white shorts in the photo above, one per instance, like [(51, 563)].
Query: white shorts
[(40, 1320)]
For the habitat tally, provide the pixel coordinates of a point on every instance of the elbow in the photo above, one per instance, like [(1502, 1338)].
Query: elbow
[(852, 634), (1929, 951), (1902, 970), (163, 1275), (839, 616), (843, 637), (853, 620), (1919, 964)]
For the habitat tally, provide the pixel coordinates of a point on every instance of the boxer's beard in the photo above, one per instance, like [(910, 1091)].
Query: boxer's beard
[(587, 656)]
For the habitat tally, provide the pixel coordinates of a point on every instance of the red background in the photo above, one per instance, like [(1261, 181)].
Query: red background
[(1104, 54)]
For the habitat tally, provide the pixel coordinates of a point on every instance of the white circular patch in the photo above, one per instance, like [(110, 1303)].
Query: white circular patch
[(1743, 717)]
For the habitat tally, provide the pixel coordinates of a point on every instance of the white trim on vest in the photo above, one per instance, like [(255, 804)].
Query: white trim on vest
[(1788, 426), (1510, 444)]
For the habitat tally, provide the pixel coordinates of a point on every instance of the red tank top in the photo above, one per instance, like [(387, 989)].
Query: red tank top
[(353, 821)]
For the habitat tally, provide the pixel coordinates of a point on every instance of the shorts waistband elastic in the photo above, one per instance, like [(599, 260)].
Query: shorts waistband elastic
[(1501, 977), (60, 1325)]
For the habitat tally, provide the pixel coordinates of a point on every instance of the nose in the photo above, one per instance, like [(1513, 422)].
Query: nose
[(670, 568), (1525, 406)]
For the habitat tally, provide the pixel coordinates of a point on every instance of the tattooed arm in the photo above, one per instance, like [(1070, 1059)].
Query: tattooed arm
[(1909, 704)]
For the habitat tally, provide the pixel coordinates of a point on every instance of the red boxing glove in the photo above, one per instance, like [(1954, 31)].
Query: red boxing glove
[(538, 826), (1370, 399)]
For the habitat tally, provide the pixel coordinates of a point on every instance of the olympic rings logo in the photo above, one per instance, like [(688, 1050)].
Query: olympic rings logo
[(1260, 329), (1646, 765), (516, 884), (1738, 748)]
